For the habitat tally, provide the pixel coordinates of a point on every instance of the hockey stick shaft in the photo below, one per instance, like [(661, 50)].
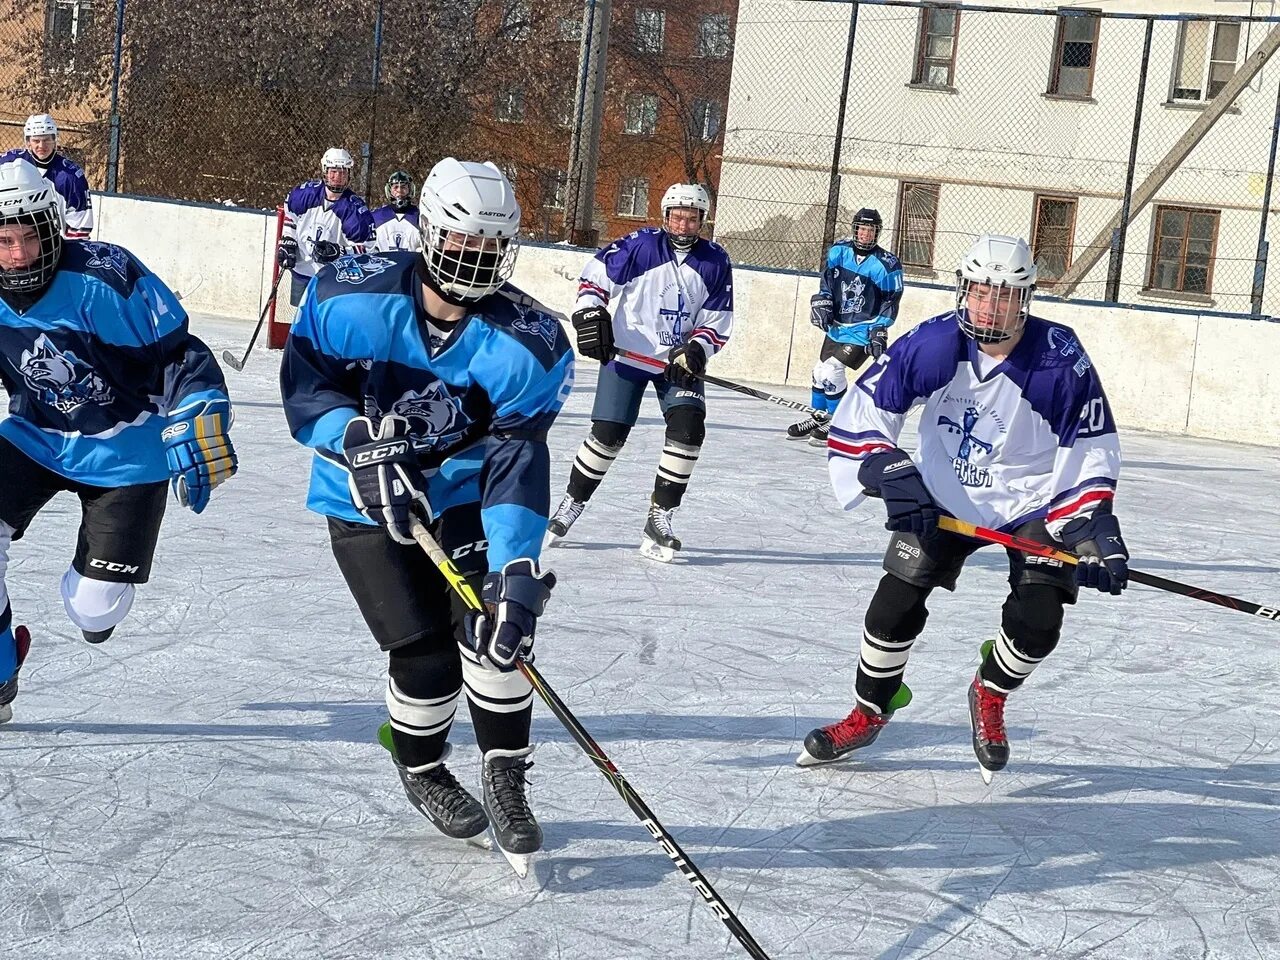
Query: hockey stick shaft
[(727, 384), (597, 755), (1137, 576), (227, 356)]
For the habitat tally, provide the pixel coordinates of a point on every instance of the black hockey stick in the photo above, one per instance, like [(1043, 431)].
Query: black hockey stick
[(1137, 576), (597, 756), (727, 384), (227, 356)]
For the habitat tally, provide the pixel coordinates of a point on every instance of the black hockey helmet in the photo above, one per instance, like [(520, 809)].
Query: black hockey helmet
[(867, 217), (400, 176)]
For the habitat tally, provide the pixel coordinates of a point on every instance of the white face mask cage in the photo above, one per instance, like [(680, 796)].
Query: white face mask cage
[(466, 266), (995, 319), (38, 274)]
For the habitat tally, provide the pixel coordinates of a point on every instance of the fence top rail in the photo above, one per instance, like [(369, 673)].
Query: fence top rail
[(1058, 11)]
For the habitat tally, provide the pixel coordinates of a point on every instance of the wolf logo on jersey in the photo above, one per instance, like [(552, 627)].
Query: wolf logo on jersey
[(106, 256), (62, 380), (536, 323), (434, 407), (358, 269), (853, 296)]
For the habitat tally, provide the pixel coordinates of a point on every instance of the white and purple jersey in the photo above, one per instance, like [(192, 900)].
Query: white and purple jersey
[(1030, 437), (657, 299), (309, 216), (70, 185), (396, 229)]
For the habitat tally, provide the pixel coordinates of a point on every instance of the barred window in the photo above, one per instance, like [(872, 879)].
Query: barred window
[(1075, 50), (1183, 247), (713, 36), (936, 47), (917, 223), (651, 27), (641, 114), (509, 105), (516, 20), (1051, 237), (633, 197)]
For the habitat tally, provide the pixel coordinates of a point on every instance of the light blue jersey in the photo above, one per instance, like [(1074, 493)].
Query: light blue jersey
[(865, 291)]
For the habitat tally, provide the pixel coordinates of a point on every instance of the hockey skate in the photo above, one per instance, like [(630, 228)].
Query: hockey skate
[(818, 438), (438, 796), (986, 715), (837, 740), (564, 517), (97, 636), (801, 429), (659, 541), (514, 828), (9, 689)]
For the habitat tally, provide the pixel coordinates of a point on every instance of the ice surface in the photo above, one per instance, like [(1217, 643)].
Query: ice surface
[(206, 784)]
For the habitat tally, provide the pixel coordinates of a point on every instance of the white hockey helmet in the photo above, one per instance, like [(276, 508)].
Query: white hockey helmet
[(469, 219), (40, 125), (994, 284), (691, 196), (336, 157), (27, 199)]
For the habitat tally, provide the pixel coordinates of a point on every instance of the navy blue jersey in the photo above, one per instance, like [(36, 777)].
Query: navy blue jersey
[(479, 401), (95, 365), (865, 291)]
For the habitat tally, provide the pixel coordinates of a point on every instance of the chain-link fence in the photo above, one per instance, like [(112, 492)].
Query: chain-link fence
[(1135, 152)]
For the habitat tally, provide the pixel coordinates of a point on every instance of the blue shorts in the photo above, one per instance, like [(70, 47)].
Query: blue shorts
[(620, 389)]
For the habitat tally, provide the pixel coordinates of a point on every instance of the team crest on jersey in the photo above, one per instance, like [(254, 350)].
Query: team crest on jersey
[(970, 446), (432, 412), (1068, 346), (537, 324), (357, 269), (678, 317), (60, 378), (853, 295), (107, 256)]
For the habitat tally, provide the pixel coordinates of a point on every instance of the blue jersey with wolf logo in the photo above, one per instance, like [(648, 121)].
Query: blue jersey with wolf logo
[(865, 291), (94, 366), (479, 401)]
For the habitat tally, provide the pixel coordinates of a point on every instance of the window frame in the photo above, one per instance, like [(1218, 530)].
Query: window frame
[(1038, 199), (556, 183), (622, 186), (699, 124), (1059, 45), (643, 32), (703, 50), (644, 98), (918, 76), (517, 94), (901, 232), (1153, 257), (1207, 72)]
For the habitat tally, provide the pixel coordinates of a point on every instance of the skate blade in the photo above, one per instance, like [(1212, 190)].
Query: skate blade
[(655, 551), (986, 774), (6, 713), (807, 759), (481, 840), (519, 861), (550, 540)]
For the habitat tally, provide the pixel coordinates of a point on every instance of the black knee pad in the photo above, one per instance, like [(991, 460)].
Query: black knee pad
[(687, 425), (428, 668), (1032, 618), (610, 434), (897, 611)]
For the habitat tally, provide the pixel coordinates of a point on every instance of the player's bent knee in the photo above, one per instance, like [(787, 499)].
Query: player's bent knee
[(494, 689), (95, 605), (897, 611), (1033, 618), (609, 434), (687, 425)]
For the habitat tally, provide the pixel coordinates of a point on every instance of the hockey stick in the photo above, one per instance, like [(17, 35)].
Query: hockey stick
[(597, 755), (227, 356), (1137, 576), (727, 384)]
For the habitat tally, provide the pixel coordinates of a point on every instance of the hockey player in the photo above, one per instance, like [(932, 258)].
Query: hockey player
[(109, 398), (672, 297), (1015, 434), (322, 219), (395, 223), (426, 386), (40, 134), (856, 303)]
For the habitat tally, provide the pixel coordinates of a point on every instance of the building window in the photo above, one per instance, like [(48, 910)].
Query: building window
[(708, 118), (1208, 52), (1051, 237), (917, 223), (66, 22), (641, 114), (569, 28), (633, 197), (936, 47), (1184, 245), (515, 20), (509, 105), (564, 109), (713, 36), (651, 27), (1074, 52), (554, 183)]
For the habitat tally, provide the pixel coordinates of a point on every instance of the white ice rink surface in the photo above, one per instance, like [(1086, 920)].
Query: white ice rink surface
[(206, 784)]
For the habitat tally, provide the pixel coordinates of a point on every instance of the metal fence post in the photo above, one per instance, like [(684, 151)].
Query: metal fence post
[(373, 112), (833, 185), (1116, 266), (584, 148), (113, 148), (1260, 266)]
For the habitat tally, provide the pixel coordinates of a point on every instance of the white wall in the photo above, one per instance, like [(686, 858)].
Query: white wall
[(1203, 376)]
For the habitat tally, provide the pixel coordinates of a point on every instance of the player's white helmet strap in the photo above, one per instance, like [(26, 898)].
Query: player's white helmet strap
[(994, 285), (469, 219), (27, 200)]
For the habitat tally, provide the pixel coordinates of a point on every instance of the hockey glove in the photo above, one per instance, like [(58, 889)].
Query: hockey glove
[(878, 342), (595, 333), (1104, 559), (199, 451), (325, 251), (287, 253), (386, 484), (894, 477), (513, 600), (821, 311), (686, 364)]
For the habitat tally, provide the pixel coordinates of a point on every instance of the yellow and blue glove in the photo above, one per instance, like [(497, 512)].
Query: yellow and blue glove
[(199, 451)]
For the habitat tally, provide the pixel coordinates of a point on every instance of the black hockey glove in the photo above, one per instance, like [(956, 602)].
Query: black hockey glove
[(878, 342), (287, 253), (1104, 559), (513, 600), (894, 478), (386, 483), (821, 311), (595, 333), (686, 364), (325, 251)]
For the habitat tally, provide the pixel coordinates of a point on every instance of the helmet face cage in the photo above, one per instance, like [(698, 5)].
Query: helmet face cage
[(400, 177), (466, 266), (866, 218), (996, 318), (36, 276)]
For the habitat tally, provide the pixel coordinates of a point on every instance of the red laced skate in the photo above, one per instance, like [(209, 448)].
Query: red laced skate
[(835, 740), (986, 714)]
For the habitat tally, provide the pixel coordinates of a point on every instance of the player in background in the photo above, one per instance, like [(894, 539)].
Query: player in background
[(671, 293), (856, 303), (426, 386), (40, 134), (110, 398), (395, 223), (1015, 434), (322, 219)]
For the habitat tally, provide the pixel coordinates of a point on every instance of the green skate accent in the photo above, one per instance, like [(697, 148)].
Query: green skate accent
[(384, 738), (900, 699), (986, 648)]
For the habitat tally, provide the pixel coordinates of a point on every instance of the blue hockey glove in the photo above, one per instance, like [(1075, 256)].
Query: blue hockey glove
[(287, 253), (513, 600), (199, 451), (878, 342), (894, 478), (821, 311), (386, 483), (1104, 559), (686, 363)]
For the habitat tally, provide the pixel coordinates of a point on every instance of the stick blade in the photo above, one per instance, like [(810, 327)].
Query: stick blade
[(230, 360)]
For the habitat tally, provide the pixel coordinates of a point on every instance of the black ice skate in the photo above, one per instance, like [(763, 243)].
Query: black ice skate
[(801, 429), (837, 740), (659, 541), (818, 438), (986, 714), (98, 636), (517, 832), (445, 802), (558, 526), (9, 689)]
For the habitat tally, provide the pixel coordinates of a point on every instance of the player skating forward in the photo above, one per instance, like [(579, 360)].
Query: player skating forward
[(856, 303), (671, 293), (40, 136), (426, 386), (1015, 434), (109, 397), (395, 223)]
